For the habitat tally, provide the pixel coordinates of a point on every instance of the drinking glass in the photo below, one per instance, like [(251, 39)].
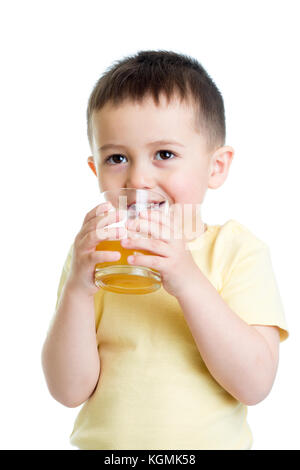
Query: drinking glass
[(119, 276)]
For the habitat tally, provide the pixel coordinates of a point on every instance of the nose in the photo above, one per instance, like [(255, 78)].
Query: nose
[(140, 177)]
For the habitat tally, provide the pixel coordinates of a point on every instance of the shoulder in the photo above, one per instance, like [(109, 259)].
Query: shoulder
[(237, 236), (234, 243)]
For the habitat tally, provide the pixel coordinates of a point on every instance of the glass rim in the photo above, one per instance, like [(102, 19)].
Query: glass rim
[(137, 190)]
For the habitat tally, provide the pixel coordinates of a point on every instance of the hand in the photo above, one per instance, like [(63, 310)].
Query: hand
[(85, 257), (173, 259)]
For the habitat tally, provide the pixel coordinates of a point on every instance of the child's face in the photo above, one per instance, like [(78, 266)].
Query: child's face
[(144, 146)]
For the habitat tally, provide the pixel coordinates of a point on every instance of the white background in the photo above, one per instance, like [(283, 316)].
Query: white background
[(52, 53)]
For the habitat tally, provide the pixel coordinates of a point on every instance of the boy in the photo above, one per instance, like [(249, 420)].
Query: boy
[(174, 369)]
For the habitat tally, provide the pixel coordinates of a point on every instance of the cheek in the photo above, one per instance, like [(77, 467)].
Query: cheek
[(189, 188)]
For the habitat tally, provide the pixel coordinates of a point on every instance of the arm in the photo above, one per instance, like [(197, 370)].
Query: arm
[(243, 359), (70, 356)]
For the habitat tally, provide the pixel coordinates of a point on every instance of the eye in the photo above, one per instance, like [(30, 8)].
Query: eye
[(113, 157), (117, 158), (165, 154)]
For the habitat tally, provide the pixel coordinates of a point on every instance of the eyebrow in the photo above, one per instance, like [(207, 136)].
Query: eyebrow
[(157, 142)]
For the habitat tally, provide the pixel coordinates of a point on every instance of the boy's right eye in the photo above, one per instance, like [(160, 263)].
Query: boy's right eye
[(115, 156)]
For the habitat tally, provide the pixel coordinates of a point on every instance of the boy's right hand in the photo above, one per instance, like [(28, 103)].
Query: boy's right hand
[(85, 257)]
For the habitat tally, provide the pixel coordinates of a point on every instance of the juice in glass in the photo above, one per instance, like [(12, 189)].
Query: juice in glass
[(141, 280), (119, 276)]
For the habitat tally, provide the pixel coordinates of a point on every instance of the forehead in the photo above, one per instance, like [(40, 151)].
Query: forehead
[(145, 118)]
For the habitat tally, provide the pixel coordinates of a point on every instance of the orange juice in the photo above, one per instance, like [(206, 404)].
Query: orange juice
[(121, 277)]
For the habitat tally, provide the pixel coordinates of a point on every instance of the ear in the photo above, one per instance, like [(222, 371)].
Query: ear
[(219, 167), (91, 164)]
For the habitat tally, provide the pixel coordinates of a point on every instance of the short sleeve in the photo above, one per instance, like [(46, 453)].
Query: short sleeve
[(250, 288)]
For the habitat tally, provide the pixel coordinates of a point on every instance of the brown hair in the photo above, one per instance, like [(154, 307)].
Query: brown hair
[(156, 72)]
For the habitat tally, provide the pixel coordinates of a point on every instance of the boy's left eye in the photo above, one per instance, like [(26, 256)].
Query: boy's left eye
[(165, 154)]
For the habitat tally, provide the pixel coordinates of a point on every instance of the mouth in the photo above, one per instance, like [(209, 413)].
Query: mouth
[(150, 205)]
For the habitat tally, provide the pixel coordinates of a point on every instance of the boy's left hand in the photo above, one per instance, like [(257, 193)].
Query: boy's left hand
[(172, 257)]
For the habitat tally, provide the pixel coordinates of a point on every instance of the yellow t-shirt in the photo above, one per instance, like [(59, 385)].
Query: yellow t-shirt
[(154, 390)]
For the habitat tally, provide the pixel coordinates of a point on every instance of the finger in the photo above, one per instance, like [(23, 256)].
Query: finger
[(154, 246), (167, 221), (148, 261), (158, 216), (150, 228), (105, 256), (181, 220), (100, 221), (93, 238), (132, 234), (98, 210)]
